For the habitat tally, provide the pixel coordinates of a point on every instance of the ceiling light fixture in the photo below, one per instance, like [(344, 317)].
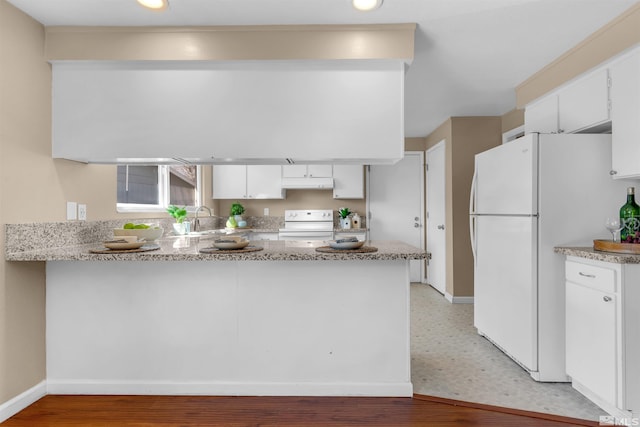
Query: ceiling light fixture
[(366, 5), (155, 4)]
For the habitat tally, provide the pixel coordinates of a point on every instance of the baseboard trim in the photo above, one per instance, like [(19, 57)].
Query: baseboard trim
[(458, 300), (392, 389), (611, 409), (11, 407), (501, 409)]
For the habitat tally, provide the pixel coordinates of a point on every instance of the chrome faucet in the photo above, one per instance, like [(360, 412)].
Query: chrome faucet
[(196, 221)]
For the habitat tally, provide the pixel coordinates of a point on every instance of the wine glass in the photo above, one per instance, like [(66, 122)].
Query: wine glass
[(614, 226)]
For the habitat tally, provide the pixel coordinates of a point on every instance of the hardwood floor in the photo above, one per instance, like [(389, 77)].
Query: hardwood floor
[(186, 411)]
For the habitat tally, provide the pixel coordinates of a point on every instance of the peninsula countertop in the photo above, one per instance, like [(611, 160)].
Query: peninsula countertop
[(188, 249)]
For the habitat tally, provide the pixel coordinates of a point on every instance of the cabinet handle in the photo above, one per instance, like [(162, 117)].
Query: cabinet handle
[(612, 172), (606, 298), (591, 276)]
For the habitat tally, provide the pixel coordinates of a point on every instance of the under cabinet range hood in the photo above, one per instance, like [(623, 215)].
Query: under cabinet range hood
[(307, 183), (229, 112)]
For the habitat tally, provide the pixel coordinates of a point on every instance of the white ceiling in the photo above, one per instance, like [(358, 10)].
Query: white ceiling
[(469, 54)]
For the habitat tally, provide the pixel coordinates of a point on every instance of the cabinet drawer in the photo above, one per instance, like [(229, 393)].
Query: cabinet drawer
[(603, 279)]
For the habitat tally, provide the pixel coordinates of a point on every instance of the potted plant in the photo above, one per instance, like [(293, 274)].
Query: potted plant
[(235, 217), (237, 210), (179, 214), (345, 220)]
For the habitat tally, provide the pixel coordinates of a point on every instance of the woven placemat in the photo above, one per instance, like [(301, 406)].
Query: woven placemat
[(144, 248), (360, 250), (246, 249)]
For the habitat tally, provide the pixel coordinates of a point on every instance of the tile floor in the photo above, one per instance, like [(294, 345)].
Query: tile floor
[(449, 359)]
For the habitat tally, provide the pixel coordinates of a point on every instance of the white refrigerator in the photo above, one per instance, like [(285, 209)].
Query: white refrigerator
[(527, 196)]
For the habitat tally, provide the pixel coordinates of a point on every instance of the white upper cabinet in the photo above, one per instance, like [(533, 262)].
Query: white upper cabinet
[(542, 117), (247, 182), (348, 182), (625, 116), (584, 103), (307, 171), (580, 105), (229, 182), (264, 182), (244, 112)]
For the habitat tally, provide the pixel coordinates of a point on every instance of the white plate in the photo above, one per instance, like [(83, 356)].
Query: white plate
[(230, 245), (346, 245), (120, 245)]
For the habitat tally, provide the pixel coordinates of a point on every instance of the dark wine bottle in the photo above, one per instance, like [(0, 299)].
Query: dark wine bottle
[(629, 217)]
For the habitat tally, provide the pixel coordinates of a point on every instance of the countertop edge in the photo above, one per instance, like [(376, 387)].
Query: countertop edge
[(590, 253), (387, 251)]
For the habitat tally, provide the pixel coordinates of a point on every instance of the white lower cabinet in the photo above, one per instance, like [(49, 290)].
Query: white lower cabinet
[(263, 235), (603, 333), (360, 233)]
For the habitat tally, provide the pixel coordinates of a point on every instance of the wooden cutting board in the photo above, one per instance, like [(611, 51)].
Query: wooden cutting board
[(213, 250), (621, 248), (145, 248), (360, 250)]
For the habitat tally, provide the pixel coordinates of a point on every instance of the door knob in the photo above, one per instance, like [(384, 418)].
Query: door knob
[(441, 227), (416, 225)]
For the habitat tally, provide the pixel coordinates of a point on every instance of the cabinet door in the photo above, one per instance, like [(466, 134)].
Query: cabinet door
[(348, 182), (591, 340), (625, 117), (229, 181), (294, 171), (319, 171), (585, 103), (542, 116), (264, 182), (263, 236), (359, 234)]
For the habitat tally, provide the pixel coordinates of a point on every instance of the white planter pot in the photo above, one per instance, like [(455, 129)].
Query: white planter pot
[(182, 227), (345, 223)]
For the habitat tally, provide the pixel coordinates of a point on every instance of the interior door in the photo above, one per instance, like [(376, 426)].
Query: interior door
[(436, 235), (396, 204)]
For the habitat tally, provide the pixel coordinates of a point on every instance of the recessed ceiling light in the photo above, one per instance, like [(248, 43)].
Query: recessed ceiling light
[(366, 5), (155, 4)]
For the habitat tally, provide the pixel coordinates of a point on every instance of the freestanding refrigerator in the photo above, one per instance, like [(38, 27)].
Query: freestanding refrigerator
[(527, 196)]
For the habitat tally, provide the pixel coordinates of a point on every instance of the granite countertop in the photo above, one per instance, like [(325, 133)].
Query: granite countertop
[(590, 253), (187, 249)]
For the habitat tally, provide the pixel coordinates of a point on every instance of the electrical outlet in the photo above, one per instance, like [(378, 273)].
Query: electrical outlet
[(72, 210), (82, 212), (266, 211)]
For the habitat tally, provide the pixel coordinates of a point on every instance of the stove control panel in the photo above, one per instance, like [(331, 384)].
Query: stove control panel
[(312, 215)]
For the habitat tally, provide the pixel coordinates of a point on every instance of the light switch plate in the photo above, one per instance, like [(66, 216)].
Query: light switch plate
[(82, 212), (266, 212), (72, 210)]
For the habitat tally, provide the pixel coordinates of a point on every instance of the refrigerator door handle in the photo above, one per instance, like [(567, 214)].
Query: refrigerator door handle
[(472, 195), (472, 218), (472, 235)]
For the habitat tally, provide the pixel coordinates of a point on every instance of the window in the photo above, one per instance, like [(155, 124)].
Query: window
[(153, 188)]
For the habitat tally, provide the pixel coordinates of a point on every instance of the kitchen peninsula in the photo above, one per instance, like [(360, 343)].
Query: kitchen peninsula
[(284, 320)]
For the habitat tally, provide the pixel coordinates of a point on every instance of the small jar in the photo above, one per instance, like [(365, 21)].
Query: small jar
[(355, 220)]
